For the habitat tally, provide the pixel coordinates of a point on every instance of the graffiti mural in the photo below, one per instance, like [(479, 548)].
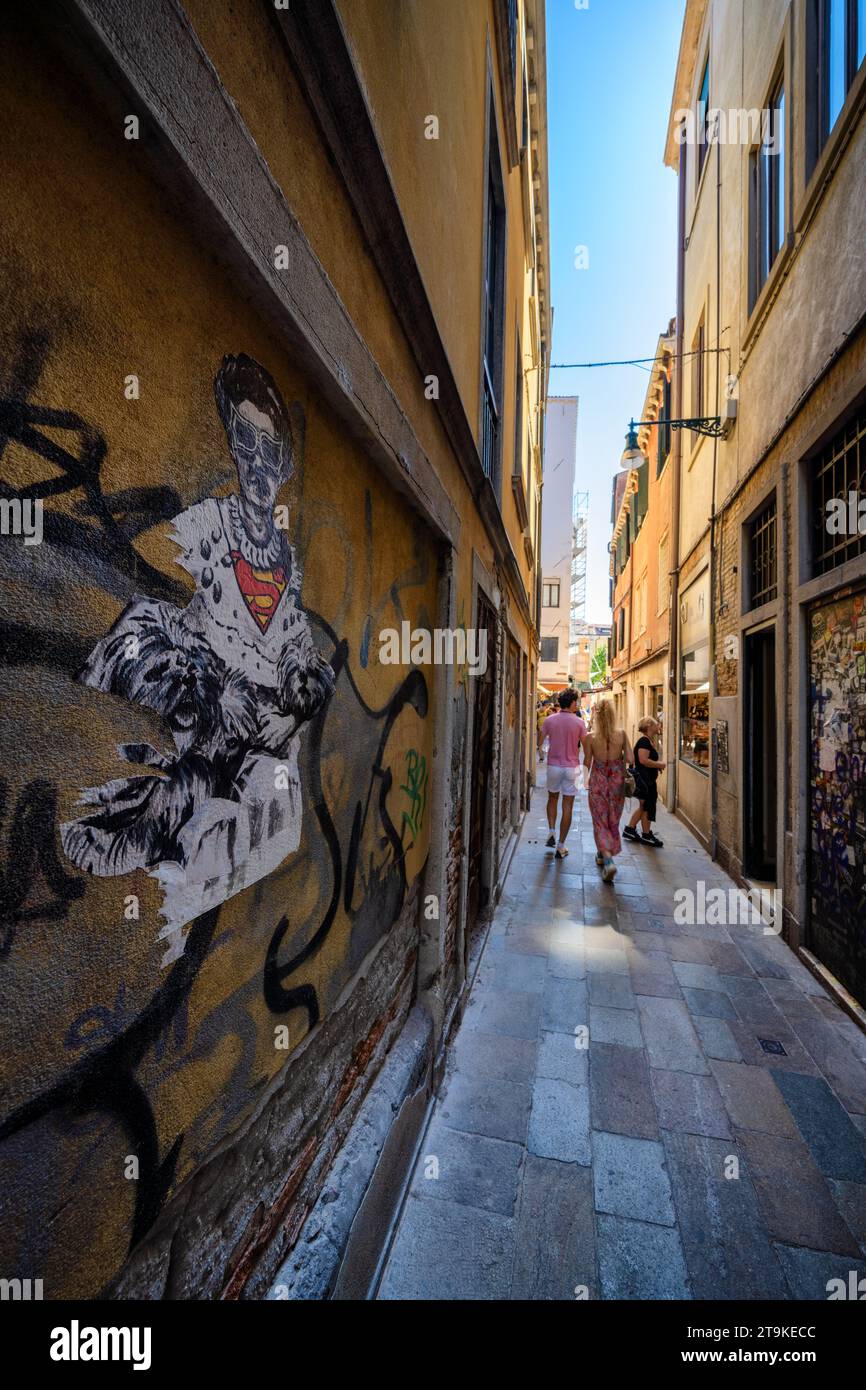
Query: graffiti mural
[(838, 790), (262, 828), (235, 675)]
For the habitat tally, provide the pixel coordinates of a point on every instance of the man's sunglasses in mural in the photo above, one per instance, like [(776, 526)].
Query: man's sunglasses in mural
[(248, 439)]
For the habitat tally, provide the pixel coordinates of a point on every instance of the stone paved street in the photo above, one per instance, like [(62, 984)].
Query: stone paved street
[(606, 1168)]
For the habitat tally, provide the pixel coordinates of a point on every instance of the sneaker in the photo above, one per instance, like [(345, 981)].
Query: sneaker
[(608, 873), (651, 839), (629, 833), (551, 841)]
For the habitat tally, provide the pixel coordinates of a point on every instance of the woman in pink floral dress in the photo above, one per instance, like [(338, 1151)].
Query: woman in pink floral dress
[(607, 752)]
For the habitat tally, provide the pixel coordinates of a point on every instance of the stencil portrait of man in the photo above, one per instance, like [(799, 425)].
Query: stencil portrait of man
[(235, 676)]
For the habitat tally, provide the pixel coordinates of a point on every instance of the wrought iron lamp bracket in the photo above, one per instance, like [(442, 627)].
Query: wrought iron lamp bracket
[(710, 425)]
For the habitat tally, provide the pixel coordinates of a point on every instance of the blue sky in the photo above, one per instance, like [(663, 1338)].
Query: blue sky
[(610, 72)]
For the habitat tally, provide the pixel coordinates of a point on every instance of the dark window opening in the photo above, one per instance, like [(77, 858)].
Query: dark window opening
[(839, 496), (698, 346), (763, 582), (767, 196), (494, 308), (512, 38), (518, 408), (549, 649), (836, 45), (664, 429), (703, 121)]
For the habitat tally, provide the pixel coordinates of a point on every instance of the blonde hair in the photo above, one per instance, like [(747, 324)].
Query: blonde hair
[(646, 724), (603, 717)]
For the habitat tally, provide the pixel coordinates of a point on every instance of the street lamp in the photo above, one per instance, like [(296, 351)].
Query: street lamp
[(631, 454)]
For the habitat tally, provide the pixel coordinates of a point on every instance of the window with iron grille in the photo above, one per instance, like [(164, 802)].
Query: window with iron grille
[(838, 490), (549, 649), (763, 585)]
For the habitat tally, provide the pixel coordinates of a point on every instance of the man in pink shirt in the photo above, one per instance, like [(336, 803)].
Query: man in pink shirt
[(564, 732)]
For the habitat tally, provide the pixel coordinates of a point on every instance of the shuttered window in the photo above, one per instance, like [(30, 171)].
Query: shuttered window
[(642, 493)]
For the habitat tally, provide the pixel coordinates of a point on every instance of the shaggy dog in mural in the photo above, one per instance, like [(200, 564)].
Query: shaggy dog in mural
[(234, 675)]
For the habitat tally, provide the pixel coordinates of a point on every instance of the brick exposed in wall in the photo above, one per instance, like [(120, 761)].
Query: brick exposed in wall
[(228, 1228)]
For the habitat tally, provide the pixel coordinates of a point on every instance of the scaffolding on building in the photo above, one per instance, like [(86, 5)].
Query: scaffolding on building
[(579, 523)]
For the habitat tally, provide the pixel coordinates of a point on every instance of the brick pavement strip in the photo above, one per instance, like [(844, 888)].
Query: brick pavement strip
[(663, 1153)]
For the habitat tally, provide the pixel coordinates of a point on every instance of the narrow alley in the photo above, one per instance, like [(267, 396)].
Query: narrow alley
[(710, 1140), (405, 424)]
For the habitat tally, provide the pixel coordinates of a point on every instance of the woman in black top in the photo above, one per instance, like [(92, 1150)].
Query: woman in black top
[(647, 766)]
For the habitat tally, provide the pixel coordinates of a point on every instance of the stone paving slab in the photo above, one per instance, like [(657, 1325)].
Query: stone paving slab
[(475, 1105), (488, 1055), (629, 1178), (836, 1146), (640, 1261), (559, 1122), (708, 1003), (561, 1058), (752, 1099), (555, 1251), (796, 1203), (564, 1004), (614, 1026), (671, 1041), (810, 1273), (445, 1250), (620, 1094), (717, 1040), (728, 1252), (470, 1169), (636, 1107), (690, 1103)]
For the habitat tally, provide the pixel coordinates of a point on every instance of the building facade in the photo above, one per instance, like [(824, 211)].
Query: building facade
[(589, 653), (275, 341), (768, 137), (640, 567), (557, 541)]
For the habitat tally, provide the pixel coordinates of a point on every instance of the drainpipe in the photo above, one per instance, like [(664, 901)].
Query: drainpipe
[(781, 740), (677, 445), (714, 785)]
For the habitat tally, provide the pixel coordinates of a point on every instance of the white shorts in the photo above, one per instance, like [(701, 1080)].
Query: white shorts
[(562, 779)]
